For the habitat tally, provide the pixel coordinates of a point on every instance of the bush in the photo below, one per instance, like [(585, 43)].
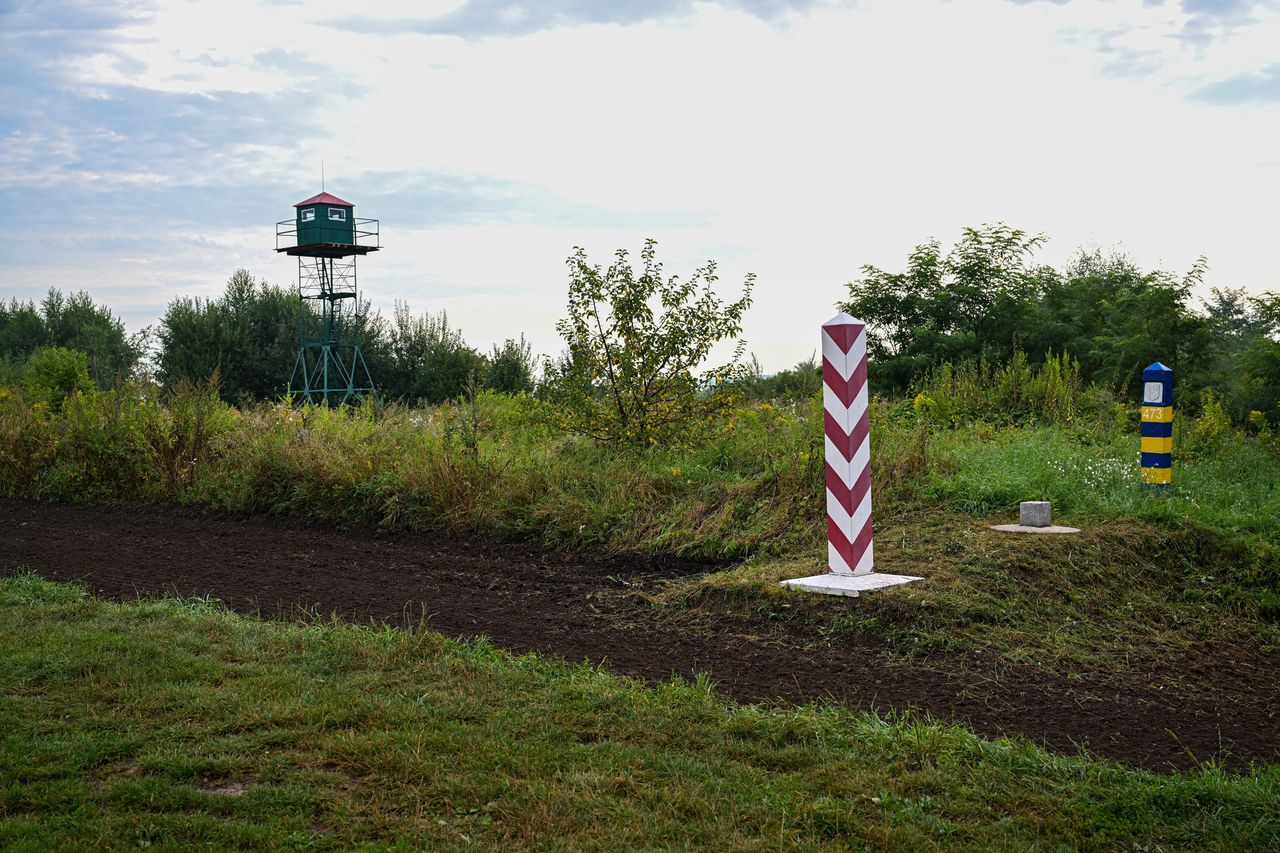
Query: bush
[(631, 374), (511, 367), (1014, 393), (801, 382), (249, 336), (1211, 428), (55, 373), (71, 322), (425, 360)]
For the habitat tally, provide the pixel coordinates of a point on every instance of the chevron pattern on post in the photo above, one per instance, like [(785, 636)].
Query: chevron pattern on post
[(848, 454)]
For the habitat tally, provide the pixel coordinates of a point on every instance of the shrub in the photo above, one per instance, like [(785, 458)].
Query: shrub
[(1013, 393), (631, 374), (73, 321), (511, 367), (55, 373), (1210, 428)]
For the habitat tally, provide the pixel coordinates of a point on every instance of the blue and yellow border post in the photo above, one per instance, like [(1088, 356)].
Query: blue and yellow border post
[(1157, 426)]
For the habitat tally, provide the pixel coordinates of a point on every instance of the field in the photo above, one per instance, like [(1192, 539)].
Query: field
[(1140, 654)]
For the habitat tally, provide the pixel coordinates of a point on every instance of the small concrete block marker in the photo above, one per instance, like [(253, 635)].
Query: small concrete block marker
[(1035, 514), (850, 555), (1034, 517)]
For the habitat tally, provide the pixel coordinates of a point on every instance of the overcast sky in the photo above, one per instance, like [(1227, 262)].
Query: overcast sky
[(147, 149)]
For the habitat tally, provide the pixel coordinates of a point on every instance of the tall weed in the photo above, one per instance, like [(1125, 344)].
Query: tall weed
[(488, 463), (1012, 393)]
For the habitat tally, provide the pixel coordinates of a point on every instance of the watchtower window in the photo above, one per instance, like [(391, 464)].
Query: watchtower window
[(338, 214), (309, 214)]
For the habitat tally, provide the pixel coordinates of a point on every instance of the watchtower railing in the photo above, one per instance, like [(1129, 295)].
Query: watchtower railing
[(364, 233)]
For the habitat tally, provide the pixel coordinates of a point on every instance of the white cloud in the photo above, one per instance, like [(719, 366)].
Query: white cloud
[(799, 150)]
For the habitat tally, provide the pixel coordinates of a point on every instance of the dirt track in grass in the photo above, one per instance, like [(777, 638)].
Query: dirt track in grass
[(584, 606)]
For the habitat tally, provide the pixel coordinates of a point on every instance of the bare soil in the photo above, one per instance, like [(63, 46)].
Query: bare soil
[(588, 606)]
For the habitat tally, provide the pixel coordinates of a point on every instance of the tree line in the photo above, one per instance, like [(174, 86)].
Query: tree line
[(249, 335), (986, 300)]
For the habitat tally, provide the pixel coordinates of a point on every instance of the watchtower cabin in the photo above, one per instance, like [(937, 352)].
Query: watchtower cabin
[(326, 238), (325, 226)]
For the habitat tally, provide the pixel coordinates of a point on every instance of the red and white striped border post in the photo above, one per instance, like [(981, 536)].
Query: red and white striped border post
[(848, 456), (848, 468)]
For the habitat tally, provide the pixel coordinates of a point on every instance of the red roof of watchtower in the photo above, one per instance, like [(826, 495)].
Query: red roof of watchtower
[(324, 198)]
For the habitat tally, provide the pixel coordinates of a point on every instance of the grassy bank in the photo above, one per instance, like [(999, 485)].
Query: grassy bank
[(1122, 597), (175, 724), (492, 466), (1196, 569)]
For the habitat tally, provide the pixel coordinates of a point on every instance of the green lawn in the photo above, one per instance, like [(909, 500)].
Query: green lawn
[(1233, 488), (176, 724)]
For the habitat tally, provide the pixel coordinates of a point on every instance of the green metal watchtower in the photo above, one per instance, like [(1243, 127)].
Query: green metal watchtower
[(326, 238)]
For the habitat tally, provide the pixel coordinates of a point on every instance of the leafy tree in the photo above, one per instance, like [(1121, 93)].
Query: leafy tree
[(975, 299), (22, 330), (637, 344), (423, 359), (249, 335), (1257, 386), (986, 300), (74, 322), (512, 367), (1117, 319), (55, 373)]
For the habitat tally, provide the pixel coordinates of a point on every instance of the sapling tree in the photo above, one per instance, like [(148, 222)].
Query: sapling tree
[(635, 371)]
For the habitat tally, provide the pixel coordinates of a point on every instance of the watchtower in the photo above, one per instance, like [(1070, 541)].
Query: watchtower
[(326, 238)]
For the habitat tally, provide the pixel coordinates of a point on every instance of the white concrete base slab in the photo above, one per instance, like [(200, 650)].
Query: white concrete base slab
[(1023, 528), (850, 585)]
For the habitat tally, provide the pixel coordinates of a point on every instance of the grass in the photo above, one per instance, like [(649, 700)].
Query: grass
[(1194, 569), (176, 724), (493, 466), (1234, 488), (1123, 597)]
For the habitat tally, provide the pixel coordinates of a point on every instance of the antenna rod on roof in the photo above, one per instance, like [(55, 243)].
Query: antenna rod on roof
[(321, 176)]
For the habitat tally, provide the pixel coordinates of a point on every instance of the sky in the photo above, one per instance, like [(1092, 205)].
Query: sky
[(148, 148)]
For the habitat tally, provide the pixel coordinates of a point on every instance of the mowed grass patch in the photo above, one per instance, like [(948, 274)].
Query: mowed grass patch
[(1233, 488), (1121, 596), (175, 724)]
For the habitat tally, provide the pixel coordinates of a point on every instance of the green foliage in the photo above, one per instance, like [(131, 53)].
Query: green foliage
[(1257, 385), (974, 301), (70, 322), (1014, 393), (512, 367), (801, 382), (124, 444), (490, 463), (985, 300), (636, 346), (421, 358), (1117, 320), (1211, 429), (53, 374), (249, 336)]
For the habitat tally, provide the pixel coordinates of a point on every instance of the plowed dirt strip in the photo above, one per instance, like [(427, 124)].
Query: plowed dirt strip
[(579, 606)]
